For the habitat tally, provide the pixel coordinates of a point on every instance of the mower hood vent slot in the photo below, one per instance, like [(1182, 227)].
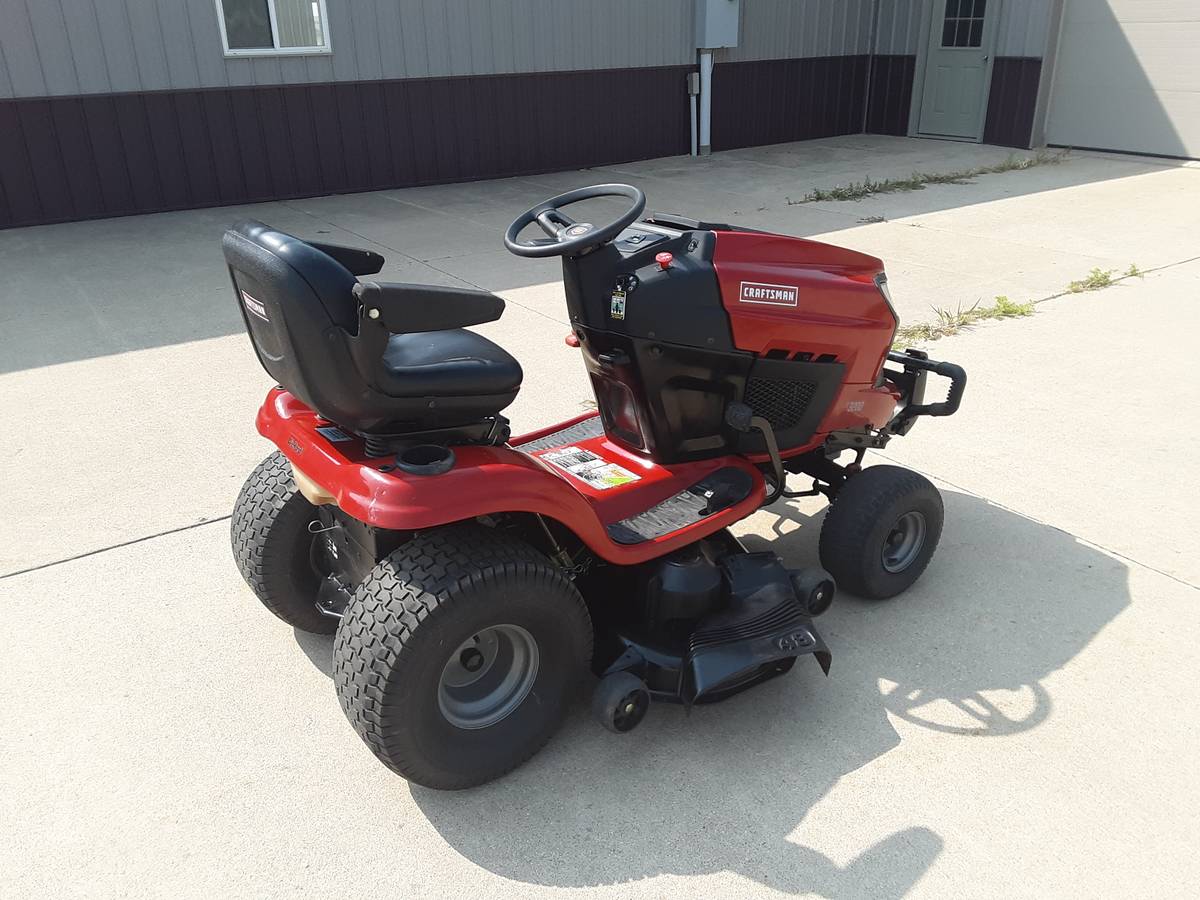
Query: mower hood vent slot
[(782, 403)]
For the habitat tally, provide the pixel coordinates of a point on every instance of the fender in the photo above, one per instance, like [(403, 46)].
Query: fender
[(488, 480)]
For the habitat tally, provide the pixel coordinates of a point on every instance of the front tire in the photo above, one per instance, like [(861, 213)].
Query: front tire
[(274, 548), (881, 531), (458, 656)]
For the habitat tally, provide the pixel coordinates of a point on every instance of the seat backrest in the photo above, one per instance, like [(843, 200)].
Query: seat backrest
[(300, 311)]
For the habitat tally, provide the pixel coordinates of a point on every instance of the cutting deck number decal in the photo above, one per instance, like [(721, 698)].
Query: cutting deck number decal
[(589, 468), (772, 294)]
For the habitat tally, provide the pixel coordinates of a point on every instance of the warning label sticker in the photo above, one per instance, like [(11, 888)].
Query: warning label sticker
[(589, 468), (617, 309)]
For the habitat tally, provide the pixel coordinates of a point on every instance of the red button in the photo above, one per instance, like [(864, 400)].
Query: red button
[(572, 340), (664, 260)]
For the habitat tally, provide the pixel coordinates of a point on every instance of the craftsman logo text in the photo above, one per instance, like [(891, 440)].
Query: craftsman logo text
[(773, 294)]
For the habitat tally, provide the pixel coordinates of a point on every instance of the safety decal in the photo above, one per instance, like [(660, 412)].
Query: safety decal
[(589, 468), (771, 294), (254, 306), (617, 310)]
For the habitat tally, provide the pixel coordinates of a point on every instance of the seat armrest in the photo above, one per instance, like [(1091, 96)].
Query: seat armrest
[(357, 262), (405, 308)]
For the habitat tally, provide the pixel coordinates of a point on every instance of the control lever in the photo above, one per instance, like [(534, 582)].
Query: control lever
[(740, 417)]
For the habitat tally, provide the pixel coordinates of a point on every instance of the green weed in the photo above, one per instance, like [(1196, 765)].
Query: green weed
[(856, 190), (948, 322)]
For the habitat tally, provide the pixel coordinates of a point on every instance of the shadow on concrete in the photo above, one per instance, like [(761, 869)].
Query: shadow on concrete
[(318, 648), (1006, 602), (87, 289)]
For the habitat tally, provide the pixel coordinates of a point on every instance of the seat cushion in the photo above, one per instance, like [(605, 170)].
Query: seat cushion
[(454, 363)]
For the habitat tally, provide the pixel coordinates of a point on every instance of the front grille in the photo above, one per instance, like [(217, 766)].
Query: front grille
[(782, 403)]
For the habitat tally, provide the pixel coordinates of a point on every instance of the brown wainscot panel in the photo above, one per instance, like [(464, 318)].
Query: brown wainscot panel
[(98, 155), (1012, 100), (776, 100)]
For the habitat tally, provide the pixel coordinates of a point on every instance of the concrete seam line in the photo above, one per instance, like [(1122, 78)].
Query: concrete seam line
[(99, 550), (1141, 273), (1070, 534)]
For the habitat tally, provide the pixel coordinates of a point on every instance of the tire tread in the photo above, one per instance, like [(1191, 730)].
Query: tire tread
[(267, 506), (855, 513), (431, 572)]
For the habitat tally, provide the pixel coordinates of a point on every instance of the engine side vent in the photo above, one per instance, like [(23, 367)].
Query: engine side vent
[(782, 403)]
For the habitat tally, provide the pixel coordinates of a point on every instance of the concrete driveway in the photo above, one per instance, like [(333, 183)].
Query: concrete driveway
[(1021, 723)]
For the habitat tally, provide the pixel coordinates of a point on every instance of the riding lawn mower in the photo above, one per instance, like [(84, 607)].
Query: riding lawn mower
[(473, 577)]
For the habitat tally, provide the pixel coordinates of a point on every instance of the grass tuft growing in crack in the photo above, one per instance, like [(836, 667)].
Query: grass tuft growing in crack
[(1096, 280), (856, 190), (948, 321)]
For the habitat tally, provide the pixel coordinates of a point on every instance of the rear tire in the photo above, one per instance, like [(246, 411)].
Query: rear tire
[(405, 658), (273, 546), (881, 531)]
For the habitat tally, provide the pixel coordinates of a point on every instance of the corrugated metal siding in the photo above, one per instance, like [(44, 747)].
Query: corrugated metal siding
[(793, 29), (899, 29), (1021, 29), (1012, 101), (1023, 25), (78, 157), (775, 100), (63, 47)]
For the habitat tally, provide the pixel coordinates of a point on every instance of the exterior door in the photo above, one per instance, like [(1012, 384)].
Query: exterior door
[(958, 68)]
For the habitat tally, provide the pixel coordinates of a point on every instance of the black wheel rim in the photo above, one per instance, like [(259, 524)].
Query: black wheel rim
[(630, 710), (904, 542)]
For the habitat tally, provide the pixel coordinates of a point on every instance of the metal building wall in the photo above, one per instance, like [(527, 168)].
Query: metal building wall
[(800, 71), (1021, 44), (113, 107), (898, 31), (791, 29), (1022, 27), (71, 47), (1021, 47)]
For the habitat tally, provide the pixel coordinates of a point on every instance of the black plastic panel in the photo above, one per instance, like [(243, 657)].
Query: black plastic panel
[(793, 396), (720, 490), (580, 431), (681, 305)]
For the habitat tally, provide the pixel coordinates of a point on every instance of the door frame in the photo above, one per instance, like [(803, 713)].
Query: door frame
[(918, 89)]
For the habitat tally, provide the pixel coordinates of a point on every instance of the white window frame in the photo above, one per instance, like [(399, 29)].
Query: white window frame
[(275, 50)]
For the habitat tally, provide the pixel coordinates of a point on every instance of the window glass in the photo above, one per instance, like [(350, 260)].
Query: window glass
[(299, 23), (274, 25), (247, 24), (962, 25)]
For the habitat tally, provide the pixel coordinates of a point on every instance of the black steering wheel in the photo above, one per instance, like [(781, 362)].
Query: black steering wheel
[(566, 237)]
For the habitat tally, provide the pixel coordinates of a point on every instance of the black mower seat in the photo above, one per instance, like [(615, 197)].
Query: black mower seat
[(377, 358), (446, 364)]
